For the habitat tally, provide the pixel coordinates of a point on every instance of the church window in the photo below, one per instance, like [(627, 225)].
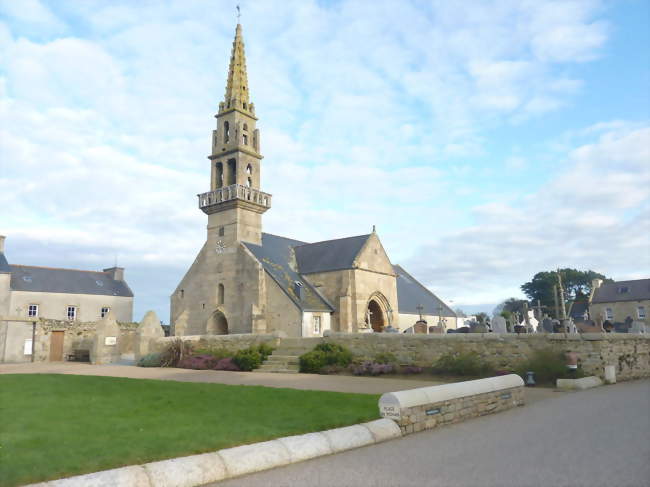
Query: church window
[(219, 167), (226, 131), (245, 137), (640, 312), (232, 171), (609, 314), (182, 293), (249, 170), (104, 311), (244, 106), (249, 182), (222, 231), (317, 325), (203, 304), (220, 294), (72, 313), (246, 126), (32, 311)]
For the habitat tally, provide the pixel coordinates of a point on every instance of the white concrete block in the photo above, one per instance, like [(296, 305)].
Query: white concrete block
[(383, 429), (245, 459), (610, 374), (187, 471), (304, 447), (579, 384), (342, 439), (133, 476)]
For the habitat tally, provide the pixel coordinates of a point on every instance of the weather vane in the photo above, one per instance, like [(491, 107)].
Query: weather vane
[(238, 13)]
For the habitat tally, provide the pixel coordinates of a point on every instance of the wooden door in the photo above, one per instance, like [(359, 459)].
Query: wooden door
[(56, 346)]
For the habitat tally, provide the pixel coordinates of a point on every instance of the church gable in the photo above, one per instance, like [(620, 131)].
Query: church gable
[(373, 257)]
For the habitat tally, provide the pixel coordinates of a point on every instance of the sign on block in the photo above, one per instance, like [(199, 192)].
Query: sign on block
[(392, 412), (110, 341)]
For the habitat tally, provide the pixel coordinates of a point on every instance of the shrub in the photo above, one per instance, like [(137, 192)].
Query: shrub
[(548, 365), (198, 362), (312, 362), (150, 360), (331, 369), (227, 363), (385, 358), (218, 353), (325, 354), (371, 368), (248, 359), (265, 350), (410, 369), (174, 353), (463, 364)]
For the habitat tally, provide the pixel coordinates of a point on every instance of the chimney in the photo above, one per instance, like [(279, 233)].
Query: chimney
[(2, 244), (116, 273)]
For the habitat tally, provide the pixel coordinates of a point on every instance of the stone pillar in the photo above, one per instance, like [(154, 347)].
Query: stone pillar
[(105, 349), (180, 325), (148, 330)]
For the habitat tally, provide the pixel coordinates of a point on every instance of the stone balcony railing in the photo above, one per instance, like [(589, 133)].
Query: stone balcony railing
[(234, 192)]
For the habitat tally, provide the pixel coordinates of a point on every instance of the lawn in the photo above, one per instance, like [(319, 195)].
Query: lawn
[(54, 426)]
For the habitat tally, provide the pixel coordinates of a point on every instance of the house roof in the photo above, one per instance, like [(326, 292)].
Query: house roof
[(578, 309), (611, 292), (411, 294), (329, 255), (276, 255), (70, 281), (4, 265)]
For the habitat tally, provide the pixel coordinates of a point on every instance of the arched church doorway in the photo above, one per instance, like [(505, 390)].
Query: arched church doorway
[(375, 316), (217, 324)]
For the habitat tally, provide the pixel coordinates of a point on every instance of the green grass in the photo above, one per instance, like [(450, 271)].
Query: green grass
[(54, 426)]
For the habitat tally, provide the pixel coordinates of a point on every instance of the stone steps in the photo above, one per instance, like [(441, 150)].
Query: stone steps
[(285, 359)]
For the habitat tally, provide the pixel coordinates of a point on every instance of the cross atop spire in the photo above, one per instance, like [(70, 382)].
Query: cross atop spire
[(236, 96)]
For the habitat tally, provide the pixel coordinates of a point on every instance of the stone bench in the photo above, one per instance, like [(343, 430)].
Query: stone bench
[(428, 407)]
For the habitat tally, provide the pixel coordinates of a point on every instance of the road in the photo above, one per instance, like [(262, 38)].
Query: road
[(598, 437)]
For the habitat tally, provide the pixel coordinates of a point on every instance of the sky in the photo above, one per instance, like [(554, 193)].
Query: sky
[(486, 140)]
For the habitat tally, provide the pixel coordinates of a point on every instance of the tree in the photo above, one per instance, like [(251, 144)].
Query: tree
[(576, 284), (460, 313), (481, 317)]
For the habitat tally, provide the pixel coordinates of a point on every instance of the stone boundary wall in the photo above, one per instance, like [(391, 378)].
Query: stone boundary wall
[(428, 407), (78, 336), (630, 353), (232, 343)]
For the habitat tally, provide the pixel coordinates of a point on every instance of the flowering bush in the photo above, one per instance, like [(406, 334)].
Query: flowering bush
[(198, 362), (371, 368), (227, 363), (411, 369)]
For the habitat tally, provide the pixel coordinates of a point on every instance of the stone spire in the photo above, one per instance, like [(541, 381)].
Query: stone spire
[(237, 86)]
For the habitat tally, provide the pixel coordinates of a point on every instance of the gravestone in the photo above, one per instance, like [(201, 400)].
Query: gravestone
[(148, 330), (499, 325), (547, 325), (638, 327), (106, 343)]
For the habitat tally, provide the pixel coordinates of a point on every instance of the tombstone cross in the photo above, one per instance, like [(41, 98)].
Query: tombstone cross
[(420, 308)]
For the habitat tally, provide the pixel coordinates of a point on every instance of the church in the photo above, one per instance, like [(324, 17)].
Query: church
[(246, 281)]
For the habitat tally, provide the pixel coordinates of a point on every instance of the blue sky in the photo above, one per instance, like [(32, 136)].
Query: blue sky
[(487, 141)]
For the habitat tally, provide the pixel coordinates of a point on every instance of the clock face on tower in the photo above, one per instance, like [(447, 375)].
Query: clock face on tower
[(220, 247)]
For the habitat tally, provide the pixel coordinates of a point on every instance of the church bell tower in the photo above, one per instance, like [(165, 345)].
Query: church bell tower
[(235, 204)]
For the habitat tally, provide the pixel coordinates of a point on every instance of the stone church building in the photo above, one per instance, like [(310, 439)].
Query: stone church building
[(247, 281)]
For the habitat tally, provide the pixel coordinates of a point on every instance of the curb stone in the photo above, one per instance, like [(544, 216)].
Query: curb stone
[(195, 470)]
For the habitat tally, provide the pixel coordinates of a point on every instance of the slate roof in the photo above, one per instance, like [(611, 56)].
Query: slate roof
[(411, 294), (329, 255), (4, 265), (71, 281), (578, 308), (276, 255), (610, 292)]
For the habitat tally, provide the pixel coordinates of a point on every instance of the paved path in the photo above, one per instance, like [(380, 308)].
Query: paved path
[(596, 438), (363, 385)]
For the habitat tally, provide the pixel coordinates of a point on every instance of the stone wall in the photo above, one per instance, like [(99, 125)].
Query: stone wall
[(77, 336), (432, 415), (628, 352), (229, 342)]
